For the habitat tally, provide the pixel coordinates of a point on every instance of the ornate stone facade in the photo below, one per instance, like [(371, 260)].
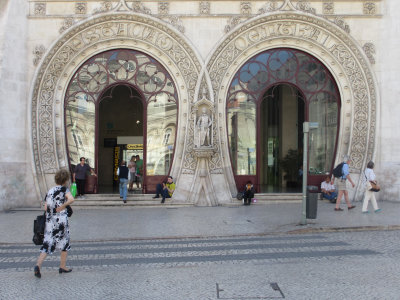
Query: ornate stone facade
[(250, 27)]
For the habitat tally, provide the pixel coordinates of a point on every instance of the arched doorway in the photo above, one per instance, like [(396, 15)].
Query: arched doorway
[(269, 98), (122, 102), (120, 124)]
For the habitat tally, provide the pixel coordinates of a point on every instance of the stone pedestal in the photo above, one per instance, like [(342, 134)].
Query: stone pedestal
[(203, 193)]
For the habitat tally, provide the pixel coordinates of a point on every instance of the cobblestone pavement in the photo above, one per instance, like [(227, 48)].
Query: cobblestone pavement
[(345, 265)]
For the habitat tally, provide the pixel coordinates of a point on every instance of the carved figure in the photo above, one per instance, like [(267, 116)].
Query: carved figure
[(204, 123)]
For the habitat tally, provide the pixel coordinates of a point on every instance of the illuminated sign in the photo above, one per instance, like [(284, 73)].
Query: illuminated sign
[(134, 146), (116, 162)]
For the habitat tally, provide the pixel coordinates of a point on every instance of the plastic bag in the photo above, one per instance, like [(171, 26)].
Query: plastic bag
[(73, 189)]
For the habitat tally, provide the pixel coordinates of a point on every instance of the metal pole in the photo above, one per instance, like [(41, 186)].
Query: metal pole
[(306, 129)]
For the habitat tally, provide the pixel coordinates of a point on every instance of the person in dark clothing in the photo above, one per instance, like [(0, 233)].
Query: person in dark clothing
[(248, 193), (79, 176), (123, 173), (166, 189)]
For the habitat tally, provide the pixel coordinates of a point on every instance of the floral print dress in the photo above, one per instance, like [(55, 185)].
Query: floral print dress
[(56, 233)]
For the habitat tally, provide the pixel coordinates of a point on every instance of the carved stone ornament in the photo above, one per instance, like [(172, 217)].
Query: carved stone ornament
[(163, 8), (369, 8), (233, 22), (339, 21), (83, 41), (328, 8), (38, 53), (245, 8), (369, 49), (80, 8), (332, 46), (204, 8), (68, 22), (203, 133), (40, 9), (176, 22)]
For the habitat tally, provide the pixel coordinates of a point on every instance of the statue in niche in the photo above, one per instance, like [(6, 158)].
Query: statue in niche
[(203, 126)]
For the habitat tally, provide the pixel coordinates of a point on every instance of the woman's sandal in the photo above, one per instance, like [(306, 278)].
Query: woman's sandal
[(37, 272)]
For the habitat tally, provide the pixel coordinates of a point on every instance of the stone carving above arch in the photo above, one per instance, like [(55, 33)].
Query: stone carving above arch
[(330, 44), (80, 42)]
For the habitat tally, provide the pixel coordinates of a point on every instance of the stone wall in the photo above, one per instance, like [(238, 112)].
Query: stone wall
[(16, 176)]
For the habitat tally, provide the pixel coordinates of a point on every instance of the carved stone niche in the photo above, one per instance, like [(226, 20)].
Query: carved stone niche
[(202, 193)]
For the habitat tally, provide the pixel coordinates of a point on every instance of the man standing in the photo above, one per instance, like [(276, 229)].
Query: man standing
[(165, 190), (122, 173), (139, 171), (341, 184), (79, 176)]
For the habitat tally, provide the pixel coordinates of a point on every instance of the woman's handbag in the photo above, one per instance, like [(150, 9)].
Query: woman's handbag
[(69, 210), (38, 229), (239, 196), (374, 187)]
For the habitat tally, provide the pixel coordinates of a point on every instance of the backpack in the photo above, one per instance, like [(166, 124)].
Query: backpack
[(338, 170)]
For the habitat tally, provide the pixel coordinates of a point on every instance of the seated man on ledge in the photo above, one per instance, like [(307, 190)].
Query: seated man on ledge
[(165, 190), (328, 190)]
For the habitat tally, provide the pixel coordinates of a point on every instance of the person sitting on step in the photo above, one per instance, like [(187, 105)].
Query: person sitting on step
[(166, 189)]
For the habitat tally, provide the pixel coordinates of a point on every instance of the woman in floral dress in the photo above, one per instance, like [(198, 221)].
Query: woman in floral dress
[(56, 233)]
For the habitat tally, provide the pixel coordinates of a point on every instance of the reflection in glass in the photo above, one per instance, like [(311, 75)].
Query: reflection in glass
[(242, 137), (323, 110), (80, 127), (161, 124)]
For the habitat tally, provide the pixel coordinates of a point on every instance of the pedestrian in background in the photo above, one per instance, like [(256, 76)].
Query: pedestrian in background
[(123, 173), (132, 172), (370, 195), (56, 233), (248, 193), (341, 185), (79, 176)]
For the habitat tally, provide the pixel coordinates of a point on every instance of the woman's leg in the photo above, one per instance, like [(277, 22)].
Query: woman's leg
[(365, 201), (373, 201), (41, 258), (63, 259)]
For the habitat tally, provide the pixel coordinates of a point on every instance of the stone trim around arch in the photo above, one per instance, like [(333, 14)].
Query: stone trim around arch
[(79, 43), (333, 47)]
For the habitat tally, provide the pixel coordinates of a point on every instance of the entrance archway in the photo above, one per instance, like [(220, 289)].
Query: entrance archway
[(269, 98), (121, 98), (120, 124)]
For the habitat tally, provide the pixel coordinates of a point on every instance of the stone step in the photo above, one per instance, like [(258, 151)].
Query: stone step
[(107, 200)]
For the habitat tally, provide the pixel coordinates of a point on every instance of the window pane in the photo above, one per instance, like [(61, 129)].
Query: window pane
[(323, 110), (161, 128), (80, 124), (242, 135)]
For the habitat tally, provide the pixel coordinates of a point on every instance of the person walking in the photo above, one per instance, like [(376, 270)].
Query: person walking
[(139, 171), (341, 185), (123, 173), (132, 172), (79, 177), (56, 233), (370, 195)]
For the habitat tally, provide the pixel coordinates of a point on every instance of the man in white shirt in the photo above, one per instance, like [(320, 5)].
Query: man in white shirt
[(328, 190)]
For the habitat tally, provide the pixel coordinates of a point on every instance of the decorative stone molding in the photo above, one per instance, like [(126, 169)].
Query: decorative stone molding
[(233, 22), (204, 8), (327, 42), (80, 8), (80, 42), (40, 9), (339, 21), (369, 8), (245, 8), (163, 8), (176, 22), (369, 49), (106, 6), (68, 22), (328, 8), (306, 7), (268, 7), (38, 53)]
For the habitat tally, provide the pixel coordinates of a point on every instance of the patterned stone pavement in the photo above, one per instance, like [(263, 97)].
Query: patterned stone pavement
[(346, 265)]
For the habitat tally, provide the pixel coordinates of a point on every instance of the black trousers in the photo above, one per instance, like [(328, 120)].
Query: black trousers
[(80, 186), (247, 195)]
